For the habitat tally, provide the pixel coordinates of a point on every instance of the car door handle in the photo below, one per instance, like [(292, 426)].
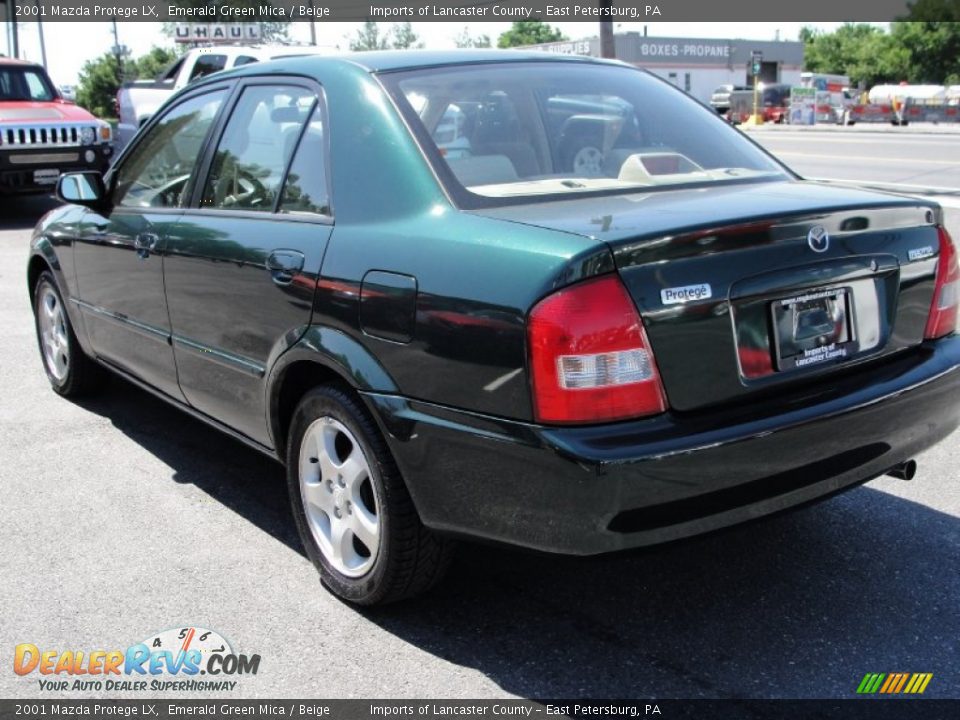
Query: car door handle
[(283, 265), (145, 243)]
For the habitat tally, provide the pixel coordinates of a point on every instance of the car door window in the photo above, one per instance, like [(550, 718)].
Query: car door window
[(158, 171), (305, 190), (256, 146)]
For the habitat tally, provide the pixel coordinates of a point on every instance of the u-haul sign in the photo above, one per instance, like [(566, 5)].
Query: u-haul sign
[(217, 33)]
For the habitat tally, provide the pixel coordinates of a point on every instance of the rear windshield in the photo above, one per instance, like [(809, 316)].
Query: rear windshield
[(511, 130)]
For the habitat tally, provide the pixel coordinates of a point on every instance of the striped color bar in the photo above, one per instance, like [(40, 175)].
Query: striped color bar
[(894, 683)]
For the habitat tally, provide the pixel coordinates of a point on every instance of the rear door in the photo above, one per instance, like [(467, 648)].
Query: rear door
[(243, 263), (119, 254)]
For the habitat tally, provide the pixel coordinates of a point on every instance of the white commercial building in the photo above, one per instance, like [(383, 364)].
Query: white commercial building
[(697, 66)]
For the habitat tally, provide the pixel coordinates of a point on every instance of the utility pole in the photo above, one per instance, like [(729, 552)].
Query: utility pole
[(607, 46), (313, 27), (117, 52), (14, 32), (43, 45)]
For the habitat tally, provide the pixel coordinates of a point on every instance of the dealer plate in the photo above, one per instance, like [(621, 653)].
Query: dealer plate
[(813, 328)]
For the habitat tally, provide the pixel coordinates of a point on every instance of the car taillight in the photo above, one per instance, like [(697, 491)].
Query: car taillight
[(946, 295), (590, 359)]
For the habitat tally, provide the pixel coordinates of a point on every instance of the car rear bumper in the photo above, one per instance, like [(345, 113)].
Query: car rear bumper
[(604, 488), (18, 167)]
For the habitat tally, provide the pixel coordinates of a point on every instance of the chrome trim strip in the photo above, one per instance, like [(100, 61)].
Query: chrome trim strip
[(221, 357), (141, 328)]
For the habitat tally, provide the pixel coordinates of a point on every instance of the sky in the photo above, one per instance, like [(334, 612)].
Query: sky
[(69, 45)]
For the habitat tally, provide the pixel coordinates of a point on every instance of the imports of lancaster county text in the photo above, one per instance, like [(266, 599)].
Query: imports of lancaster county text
[(582, 12)]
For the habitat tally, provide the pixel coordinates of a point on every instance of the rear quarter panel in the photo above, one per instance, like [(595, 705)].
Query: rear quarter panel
[(476, 277)]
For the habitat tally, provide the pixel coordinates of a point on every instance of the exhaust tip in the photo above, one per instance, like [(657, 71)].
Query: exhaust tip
[(904, 471)]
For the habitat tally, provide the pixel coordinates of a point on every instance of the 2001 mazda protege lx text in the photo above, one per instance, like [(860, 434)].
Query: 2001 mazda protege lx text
[(546, 301)]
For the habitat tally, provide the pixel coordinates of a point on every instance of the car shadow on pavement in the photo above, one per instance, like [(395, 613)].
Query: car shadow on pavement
[(22, 212), (236, 476), (798, 605)]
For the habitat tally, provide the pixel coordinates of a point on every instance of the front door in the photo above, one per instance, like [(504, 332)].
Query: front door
[(119, 254), (242, 265)]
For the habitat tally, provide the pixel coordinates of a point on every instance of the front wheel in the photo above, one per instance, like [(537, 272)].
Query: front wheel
[(70, 372), (353, 512)]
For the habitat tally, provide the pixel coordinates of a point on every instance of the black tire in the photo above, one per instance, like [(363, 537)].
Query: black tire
[(83, 375), (410, 559)]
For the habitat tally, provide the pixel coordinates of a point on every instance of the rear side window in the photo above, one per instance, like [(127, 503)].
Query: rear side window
[(207, 64), (244, 60), (305, 190), (256, 147)]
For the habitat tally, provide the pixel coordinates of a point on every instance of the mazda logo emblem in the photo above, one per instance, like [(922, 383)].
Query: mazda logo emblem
[(818, 239)]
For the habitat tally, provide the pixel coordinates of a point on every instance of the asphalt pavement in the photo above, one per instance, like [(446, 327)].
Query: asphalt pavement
[(915, 158), (122, 517)]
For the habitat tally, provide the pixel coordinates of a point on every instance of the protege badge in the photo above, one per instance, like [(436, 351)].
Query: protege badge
[(689, 293)]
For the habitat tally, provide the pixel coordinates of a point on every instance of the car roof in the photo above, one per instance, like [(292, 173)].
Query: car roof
[(387, 60), (390, 60)]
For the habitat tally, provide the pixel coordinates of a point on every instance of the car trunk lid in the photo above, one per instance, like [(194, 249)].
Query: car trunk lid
[(745, 289)]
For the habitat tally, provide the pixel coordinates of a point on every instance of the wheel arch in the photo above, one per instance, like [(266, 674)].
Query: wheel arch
[(36, 266), (322, 356)]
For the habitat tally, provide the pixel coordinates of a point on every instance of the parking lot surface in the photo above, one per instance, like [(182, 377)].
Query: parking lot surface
[(122, 517)]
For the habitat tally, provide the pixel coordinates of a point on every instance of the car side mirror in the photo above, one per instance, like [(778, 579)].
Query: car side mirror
[(82, 188)]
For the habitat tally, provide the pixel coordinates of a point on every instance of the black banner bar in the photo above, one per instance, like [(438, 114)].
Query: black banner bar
[(459, 11)]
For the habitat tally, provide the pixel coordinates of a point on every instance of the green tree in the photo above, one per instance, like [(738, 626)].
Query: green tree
[(930, 37), (369, 37), (865, 53), (99, 81), (403, 37), (465, 40), (529, 32), (154, 62)]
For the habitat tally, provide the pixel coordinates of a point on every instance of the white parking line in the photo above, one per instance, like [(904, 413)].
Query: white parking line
[(868, 158)]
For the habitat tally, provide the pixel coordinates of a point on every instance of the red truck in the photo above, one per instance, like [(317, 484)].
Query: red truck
[(41, 134)]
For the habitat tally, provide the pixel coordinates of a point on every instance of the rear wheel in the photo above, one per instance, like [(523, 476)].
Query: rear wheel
[(70, 372), (354, 514)]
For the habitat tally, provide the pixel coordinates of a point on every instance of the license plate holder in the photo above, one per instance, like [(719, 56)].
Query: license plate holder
[(814, 328)]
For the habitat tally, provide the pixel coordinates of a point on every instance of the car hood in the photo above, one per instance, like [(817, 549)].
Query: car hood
[(620, 219), (55, 111)]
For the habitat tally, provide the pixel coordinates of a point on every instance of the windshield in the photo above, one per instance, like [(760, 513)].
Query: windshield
[(24, 83), (525, 129)]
